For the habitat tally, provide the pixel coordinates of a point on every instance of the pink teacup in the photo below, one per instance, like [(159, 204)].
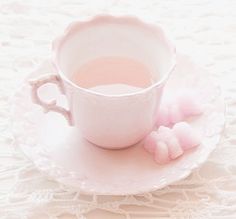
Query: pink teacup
[(108, 120)]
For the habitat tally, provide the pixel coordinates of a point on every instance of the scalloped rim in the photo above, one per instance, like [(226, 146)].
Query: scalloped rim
[(104, 18)]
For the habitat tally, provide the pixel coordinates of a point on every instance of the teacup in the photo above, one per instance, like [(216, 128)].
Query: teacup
[(107, 120)]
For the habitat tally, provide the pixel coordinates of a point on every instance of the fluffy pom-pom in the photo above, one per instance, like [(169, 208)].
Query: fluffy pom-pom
[(161, 154), (188, 138), (179, 108), (168, 144), (150, 142)]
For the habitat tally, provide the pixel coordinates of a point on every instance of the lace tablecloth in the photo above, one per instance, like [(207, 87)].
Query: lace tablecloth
[(205, 29)]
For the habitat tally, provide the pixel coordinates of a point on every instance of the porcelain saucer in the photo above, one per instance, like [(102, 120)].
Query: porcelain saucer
[(58, 151)]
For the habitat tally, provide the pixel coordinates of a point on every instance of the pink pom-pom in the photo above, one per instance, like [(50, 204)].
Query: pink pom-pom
[(175, 149), (159, 148), (168, 144), (150, 142), (179, 108), (167, 135), (161, 155), (187, 137)]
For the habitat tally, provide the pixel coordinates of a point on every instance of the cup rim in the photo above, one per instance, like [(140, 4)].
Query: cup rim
[(155, 27)]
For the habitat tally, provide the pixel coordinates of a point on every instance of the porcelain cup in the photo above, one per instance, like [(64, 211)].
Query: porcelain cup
[(106, 120)]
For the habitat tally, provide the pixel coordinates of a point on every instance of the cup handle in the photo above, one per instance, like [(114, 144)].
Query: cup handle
[(51, 106)]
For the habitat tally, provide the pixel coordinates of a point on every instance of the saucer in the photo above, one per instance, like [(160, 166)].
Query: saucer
[(58, 151)]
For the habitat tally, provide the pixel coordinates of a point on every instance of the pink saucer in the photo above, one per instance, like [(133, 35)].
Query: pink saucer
[(50, 143)]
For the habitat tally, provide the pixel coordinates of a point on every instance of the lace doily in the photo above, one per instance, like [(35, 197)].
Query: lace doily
[(199, 27)]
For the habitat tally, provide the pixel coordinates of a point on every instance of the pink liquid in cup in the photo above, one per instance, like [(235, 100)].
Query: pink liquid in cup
[(103, 55), (113, 75)]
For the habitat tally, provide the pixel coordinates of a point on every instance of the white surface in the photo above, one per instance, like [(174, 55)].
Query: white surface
[(202, 28)]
